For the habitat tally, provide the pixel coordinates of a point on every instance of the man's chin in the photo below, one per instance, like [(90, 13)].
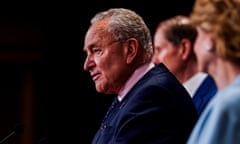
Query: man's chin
[(99, 89)]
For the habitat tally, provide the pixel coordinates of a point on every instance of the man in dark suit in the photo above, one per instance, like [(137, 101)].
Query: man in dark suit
[(151, 107), (174, 40)]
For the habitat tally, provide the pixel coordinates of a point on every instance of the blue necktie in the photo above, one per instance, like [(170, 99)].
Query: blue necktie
[(114, 104)]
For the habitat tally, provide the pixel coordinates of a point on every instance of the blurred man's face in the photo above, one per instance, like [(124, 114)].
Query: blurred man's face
[(165, 52)]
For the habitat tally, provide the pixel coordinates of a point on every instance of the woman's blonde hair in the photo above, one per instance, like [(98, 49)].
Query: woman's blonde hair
[(222, 19)]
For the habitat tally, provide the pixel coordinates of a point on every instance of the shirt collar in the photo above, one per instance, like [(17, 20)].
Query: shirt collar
[(194, 82), (135, 77)]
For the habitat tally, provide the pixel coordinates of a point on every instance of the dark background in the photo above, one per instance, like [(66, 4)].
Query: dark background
[(42, 82)]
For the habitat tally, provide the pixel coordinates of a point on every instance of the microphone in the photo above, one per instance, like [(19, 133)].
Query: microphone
[(17, 130)]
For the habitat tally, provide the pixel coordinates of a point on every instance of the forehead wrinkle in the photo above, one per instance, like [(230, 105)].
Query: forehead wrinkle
[(98, 31)]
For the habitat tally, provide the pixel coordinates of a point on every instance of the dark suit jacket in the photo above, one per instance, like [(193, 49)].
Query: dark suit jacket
[(204, 93), (157, 110)]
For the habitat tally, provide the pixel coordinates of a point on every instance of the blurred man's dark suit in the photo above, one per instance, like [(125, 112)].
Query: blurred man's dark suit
[(204, 93)]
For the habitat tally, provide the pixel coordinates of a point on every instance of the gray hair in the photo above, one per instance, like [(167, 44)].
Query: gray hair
[(125, 24)]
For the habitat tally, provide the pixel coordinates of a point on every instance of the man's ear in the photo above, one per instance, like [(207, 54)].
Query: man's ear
[(186, 48), (132, 49)]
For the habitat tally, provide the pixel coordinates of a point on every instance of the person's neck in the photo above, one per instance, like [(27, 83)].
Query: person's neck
[(224, 73), (188, 71)]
